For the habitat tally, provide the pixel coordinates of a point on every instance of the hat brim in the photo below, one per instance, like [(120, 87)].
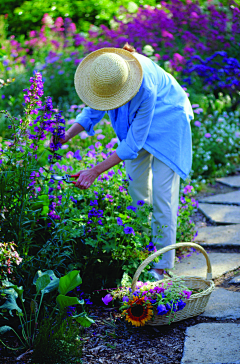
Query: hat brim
[(125, 94)]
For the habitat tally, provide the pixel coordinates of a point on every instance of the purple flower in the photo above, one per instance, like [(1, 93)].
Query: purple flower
[(100, 136), (129, 177), (69, 154), (129, 230), (125, 299), (197, 123), (119, 221), (109, 197), (187, 189), (108, 298), (207, 135), (182, 199), (100, 222), (140, 203), (77, 155)]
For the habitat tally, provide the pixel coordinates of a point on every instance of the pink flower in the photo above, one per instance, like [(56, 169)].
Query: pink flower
[(108, 298), (178, 58), (166, 34), (187, 294)]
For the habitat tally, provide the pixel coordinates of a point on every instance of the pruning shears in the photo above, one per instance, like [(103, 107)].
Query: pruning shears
[(65, 178)]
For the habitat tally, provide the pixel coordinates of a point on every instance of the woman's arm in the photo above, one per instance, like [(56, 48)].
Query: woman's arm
[(88, 176), (73, 131)]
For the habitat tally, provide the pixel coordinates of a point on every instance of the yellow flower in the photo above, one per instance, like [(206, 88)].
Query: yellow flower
[(139, 311)]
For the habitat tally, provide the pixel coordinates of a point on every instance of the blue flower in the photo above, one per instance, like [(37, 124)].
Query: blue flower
[(140, 203), (161, 310), (129, 230), (73, 199), (132, 208), (150, 247), (119, 221), (181, 305)]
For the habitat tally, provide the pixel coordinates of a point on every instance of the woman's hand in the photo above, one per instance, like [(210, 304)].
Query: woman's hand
[(85, 178)]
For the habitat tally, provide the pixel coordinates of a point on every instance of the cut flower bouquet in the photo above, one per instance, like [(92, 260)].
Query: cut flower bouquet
[(150, 299)]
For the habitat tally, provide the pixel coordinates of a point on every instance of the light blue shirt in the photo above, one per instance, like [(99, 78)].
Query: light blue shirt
[(157, 119)]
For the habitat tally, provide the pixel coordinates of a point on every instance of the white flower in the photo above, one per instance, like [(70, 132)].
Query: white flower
[(148, 50)]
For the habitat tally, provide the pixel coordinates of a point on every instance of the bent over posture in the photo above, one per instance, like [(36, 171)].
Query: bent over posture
[(151, 114)]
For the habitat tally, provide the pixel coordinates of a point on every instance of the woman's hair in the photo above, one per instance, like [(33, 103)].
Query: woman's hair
[(129, 48)]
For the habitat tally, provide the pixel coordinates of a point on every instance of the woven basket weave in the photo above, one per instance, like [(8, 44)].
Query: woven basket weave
[(197, 303)]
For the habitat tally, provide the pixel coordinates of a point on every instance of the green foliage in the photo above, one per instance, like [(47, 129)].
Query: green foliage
[(58, 341), (45, 282), (27, 15), (216, 145)]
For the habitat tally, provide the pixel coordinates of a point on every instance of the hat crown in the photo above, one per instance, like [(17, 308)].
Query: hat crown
[(109, 72)]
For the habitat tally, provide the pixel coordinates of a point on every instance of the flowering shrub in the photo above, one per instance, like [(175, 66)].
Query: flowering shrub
[(9, 257), (218, 73), (216, 144), (150, 299), (186, 230)]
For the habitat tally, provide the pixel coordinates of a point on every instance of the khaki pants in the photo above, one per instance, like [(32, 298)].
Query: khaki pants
[(157, 184)]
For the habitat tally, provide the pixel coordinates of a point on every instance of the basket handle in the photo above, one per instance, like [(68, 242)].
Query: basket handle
[(166, 249)]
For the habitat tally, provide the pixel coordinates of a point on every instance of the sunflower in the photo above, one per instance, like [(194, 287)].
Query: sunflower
[(139, 311)]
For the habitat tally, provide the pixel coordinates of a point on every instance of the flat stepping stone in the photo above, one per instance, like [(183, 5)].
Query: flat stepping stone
[(221, 214), (223, 305), (235, 280), (219, 236), (212, 343), (230, 198), (232, 181), (195, 264)]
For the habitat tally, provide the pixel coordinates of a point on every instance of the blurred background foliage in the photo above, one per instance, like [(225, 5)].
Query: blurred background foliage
[(25, 15)]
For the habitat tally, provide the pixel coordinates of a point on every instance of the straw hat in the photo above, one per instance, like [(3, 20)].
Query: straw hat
[(108, 78)]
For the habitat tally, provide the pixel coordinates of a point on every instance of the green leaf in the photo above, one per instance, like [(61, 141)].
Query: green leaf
[(45, 210), (18, 290), (42, 282), (4, 329), (10, 304), (65, 301), (84, 320), (54, 281), (68, 282)]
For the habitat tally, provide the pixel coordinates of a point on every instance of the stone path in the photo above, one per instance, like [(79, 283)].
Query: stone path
[(216, 342)]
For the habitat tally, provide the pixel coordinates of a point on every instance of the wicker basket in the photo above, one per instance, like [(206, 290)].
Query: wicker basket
[(197, 303)]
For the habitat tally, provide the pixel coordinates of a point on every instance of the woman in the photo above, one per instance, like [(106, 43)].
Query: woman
[(151, 114)]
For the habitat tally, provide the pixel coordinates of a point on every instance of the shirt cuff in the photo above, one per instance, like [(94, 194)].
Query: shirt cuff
[(86, 124), (125, 152)]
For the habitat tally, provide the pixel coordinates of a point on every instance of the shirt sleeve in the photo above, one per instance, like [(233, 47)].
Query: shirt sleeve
[(139, 129), (89, 118)]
